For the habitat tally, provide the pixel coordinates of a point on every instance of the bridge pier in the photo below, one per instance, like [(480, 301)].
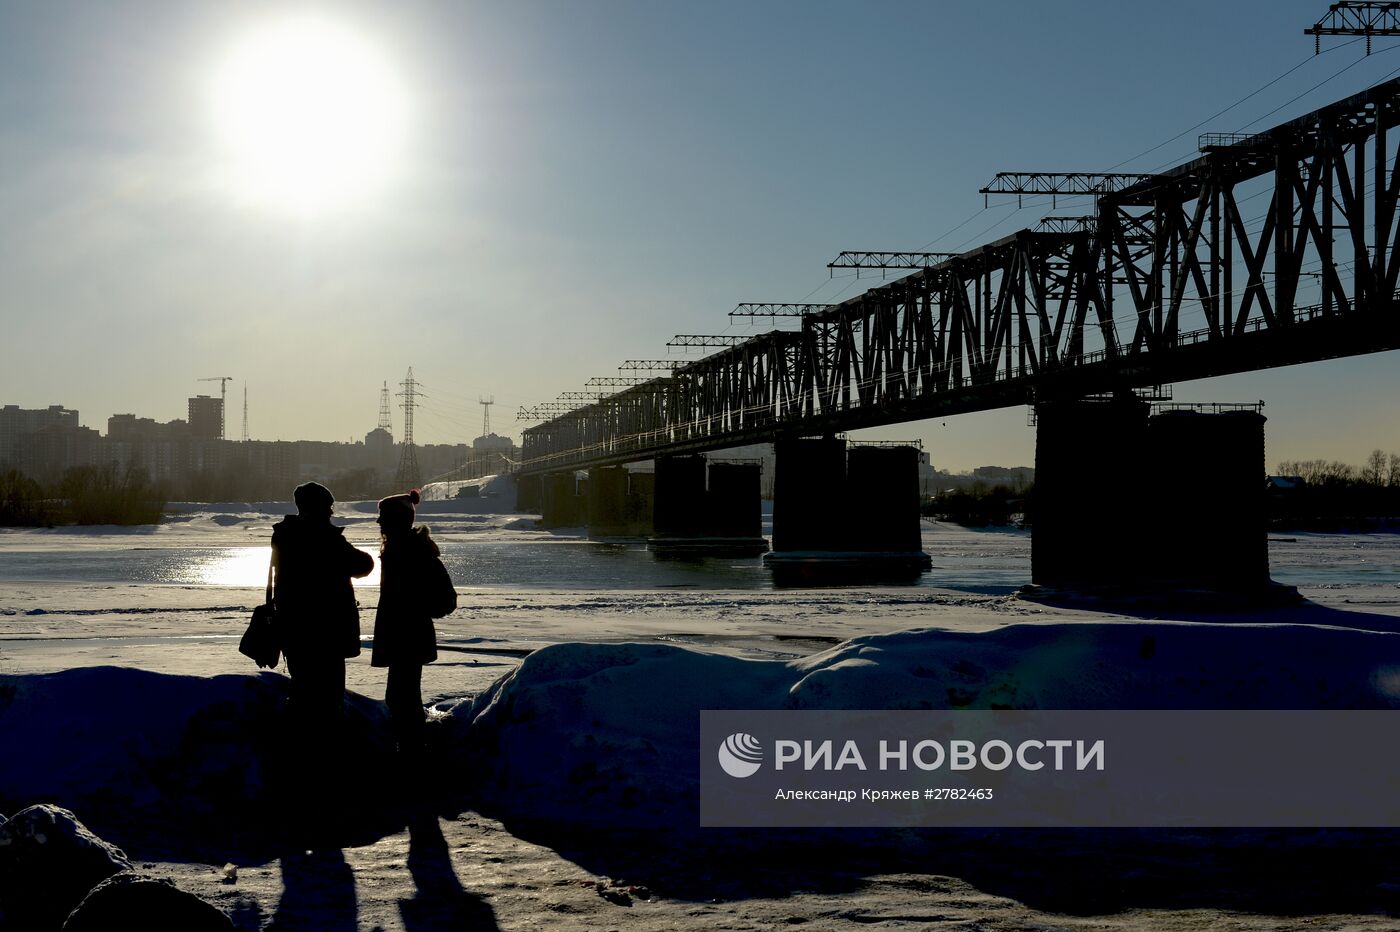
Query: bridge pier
[(693, 516), (1210, 525), (529, 493), (1135, 504), (1091, 466), (560, 505), (883, 486), (607, 501), (734, 506), (641, 499), (845, 515)]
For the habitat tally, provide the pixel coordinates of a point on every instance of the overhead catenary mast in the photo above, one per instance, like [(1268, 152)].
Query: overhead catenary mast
[(245, 411)]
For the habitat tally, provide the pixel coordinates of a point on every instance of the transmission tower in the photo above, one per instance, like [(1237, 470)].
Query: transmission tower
[(385, 422), (408, 474), (245, 412), (486, 404)]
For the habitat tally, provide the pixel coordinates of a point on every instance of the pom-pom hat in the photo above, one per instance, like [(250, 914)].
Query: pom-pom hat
[(399, 508)]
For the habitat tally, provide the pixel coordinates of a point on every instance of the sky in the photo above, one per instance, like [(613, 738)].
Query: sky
[(547, 189)]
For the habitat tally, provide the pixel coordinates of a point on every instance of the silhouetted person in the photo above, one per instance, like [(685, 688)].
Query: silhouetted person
[(319, 623), (414, 588)]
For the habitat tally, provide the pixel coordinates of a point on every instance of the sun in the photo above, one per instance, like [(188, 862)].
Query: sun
[(311, 115)]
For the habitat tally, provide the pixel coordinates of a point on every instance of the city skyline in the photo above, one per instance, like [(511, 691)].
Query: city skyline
[(571, 185)]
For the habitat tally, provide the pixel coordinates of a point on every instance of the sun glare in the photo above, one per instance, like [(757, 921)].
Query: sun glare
[(312, 114)]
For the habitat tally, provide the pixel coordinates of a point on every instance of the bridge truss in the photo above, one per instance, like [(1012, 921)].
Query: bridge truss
[(1272, 249)]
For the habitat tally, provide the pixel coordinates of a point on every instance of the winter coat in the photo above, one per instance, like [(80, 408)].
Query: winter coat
[(414, 588), (316, 609)]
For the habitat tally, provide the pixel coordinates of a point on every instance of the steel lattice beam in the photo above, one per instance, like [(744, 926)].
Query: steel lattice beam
[(651, 365), (755, 309), (704, 340), (851, 259), (1356, 18)]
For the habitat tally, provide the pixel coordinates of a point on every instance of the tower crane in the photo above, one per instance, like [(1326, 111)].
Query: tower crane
[(223, 381)]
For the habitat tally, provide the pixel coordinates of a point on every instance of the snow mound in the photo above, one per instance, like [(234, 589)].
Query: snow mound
[(608, 734), (154, 759)]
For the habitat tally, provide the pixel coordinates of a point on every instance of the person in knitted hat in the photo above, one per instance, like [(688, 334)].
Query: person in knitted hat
[(414, 588), (318, 621)]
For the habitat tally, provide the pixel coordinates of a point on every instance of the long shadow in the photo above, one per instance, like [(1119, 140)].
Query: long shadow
[(318, 892), (1301, 612), (440, 903), (1073, 871)]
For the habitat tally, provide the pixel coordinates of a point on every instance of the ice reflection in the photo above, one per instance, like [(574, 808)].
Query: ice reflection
[(245, 566)]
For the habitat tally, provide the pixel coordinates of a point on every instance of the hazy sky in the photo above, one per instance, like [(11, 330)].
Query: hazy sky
[(552, 188)]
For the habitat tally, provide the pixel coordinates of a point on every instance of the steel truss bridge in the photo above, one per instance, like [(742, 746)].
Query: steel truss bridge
[(1271, 249)]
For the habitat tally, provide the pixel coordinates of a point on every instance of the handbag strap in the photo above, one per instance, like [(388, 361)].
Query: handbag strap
[(270, 564)]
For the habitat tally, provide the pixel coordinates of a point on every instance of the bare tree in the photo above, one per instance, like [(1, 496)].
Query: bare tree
[(1374, 471)]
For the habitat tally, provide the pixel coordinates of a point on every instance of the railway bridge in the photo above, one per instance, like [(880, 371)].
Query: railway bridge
[(1270, 249)]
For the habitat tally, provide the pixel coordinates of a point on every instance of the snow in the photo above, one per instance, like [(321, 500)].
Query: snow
[(606, 734), (577, 710)]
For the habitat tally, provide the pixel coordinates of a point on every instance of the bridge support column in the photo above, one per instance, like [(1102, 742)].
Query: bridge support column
[(840, 517), (679, 489), (560, 505), (734, 507), (1210, 526), (693, 517), (641, 499), (607, 501), (529, 493), (1091, 470), (882, 486), (809, 495)]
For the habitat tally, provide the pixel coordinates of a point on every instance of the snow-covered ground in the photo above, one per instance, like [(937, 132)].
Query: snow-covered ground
[(528, 843)]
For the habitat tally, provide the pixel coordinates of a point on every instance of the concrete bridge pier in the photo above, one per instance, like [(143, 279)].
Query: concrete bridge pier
[(607, 501), (679, 491), (1138, 505), (529, 493), (734, 508), (883, 490), (1092, 468), (1210, 526), (838, 515), (560, 504), (693, 516), (641, 500)]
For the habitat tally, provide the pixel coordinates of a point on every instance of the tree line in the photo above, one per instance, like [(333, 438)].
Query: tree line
[(1335, 495), (83, 495)]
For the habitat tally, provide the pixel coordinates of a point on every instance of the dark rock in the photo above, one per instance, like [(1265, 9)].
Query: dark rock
[(130, 901), (48, 862)]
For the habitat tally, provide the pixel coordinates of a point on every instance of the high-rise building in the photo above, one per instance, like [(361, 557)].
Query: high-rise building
[(17, 422), (206, 418)]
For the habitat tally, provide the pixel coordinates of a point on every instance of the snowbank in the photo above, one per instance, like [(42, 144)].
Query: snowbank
[(152, 759), (607, 734)]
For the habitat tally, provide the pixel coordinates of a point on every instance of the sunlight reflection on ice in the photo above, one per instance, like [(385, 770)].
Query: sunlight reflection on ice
[(246, 566)]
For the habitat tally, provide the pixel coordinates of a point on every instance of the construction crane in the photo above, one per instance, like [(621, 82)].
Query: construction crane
[(223, 381)]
